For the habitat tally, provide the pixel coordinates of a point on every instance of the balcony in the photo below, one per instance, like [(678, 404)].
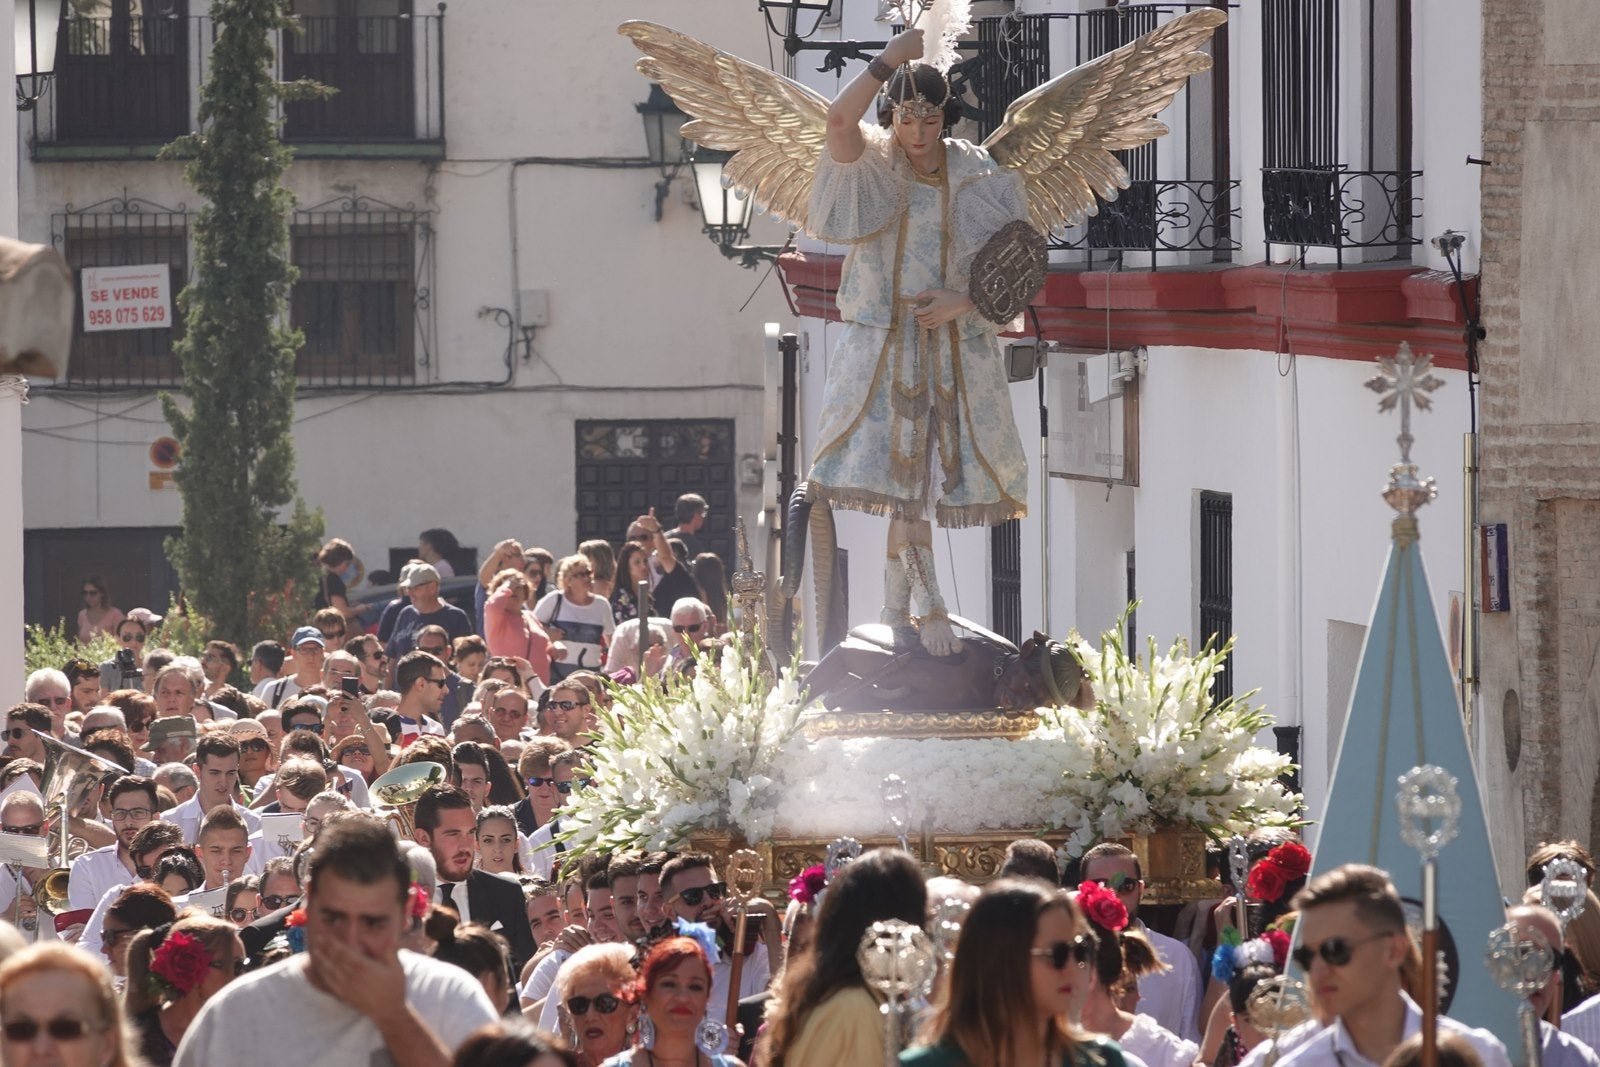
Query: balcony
[(1182, 205), (127, 85)]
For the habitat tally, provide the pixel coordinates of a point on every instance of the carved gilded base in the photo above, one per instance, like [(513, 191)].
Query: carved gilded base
[(1173, 860), (944, 725)]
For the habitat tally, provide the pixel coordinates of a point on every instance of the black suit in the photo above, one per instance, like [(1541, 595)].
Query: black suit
[(493, 898)]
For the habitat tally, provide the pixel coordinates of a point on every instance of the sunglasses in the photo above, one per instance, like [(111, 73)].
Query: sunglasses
[(334, 635), (17, 733), (1079, 950), (276, 903), (442, 683), (567, 705), (565, 788), (314, 727), (31, 831), (693, 897), (132, 639), (1335, 951), (536, 783), (128, 814), (378, 654), (580, 573), (694, 629), (61, 1028), (255, 744), (240, 915), (605, 1004), (511, 713), (358, 750)]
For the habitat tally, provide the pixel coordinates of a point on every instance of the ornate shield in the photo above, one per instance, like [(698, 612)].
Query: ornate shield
[(1007, 271)]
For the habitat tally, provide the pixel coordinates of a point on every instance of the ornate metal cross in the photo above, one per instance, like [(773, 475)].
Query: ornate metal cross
[(1405, 380)]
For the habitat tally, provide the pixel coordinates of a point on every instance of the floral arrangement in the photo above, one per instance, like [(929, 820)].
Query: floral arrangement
[(177, 967), (723, 753), (1103, 907), (1274, 875), (695, 755), (1158, 749), (1234, 954)]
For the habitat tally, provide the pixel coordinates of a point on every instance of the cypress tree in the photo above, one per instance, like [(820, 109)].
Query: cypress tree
[(242, 562)]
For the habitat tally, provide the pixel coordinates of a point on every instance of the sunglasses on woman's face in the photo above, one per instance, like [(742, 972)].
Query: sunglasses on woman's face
[(566, 787), (605, 1004), (255, 744), (61, 1028), (693, 897), (1079, 950), (240, 915), (132, 639)]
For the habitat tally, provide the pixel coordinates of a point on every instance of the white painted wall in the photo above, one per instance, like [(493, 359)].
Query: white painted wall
[(13, 393), (8, 132), (645, 317)]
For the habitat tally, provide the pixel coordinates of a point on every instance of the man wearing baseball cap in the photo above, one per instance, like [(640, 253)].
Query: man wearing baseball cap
[(171, 739), (425, 609), (308, 647)]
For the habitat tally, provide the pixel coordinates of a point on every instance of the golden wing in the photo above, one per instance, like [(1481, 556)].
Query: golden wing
[(775, 127), (1060, 136)]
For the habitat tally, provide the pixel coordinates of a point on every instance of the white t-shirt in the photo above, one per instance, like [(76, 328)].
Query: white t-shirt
[(278, 1010), (1172, 998), (585, 629), (1156, 1045)]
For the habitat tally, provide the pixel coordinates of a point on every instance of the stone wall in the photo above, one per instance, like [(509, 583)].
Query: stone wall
[(1540, 415)]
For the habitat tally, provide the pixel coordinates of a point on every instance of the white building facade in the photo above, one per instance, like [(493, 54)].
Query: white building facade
[(502, 340)]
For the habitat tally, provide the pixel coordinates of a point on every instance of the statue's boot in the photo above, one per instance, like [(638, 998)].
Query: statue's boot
[(922, 586)]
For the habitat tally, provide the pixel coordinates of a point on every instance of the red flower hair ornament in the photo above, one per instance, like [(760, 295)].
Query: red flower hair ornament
[(1103, 907), (1272, 875), (805, 886), (177, 967)]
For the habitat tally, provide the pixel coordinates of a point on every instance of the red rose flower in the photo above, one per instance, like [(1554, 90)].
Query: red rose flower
[(181, 962), (1103, 907), (1280, 946), (805, 886), (297, 917), (1266, 882), (1292, 858)]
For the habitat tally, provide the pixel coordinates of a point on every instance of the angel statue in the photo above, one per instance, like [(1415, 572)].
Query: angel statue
[(946, 249)]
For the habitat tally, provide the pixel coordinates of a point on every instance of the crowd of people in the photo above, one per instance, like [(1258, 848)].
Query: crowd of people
[(241, 875)]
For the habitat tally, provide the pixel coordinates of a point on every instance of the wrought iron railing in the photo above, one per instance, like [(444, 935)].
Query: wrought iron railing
[(1181, 198), (126, 86), (1330, 207)]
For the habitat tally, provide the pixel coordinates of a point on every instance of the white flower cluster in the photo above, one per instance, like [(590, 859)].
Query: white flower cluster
[(1158, 748), (701, 755), (724, 753)]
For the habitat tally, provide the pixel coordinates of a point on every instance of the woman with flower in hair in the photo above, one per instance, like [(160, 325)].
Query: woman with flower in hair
[(56, 992), (673, 992), (1121, 957), (825, 1015), (1020, 974), (1277, 873), (172, 971)]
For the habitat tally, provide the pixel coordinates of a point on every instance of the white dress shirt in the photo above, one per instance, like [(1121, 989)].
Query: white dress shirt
[(189, 815), (1583, 1022), (1156, 1045), (1558, 1049), (1172, 998), (92, 874), (1333, 1047), (457, 900)]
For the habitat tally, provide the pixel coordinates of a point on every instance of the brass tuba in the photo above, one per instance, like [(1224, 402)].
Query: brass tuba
[(70, 775), (396, 793), (51, 892)]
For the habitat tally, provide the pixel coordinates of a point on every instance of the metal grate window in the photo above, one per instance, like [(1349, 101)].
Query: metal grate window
[(118, 233), (1311, 195), (1005, 579), (358, 300), (1216, 580)]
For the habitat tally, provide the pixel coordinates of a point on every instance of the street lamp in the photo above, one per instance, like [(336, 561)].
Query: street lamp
[(35, 38), (724, 214), (663, 119)]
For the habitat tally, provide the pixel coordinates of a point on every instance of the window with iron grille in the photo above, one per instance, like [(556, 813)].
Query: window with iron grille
[(1216, 581), (357, 299), (1005, 579), (120, 233), (1317, 191)]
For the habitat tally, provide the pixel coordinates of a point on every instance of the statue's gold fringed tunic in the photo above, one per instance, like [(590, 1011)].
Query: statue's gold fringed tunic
[(893, 388)]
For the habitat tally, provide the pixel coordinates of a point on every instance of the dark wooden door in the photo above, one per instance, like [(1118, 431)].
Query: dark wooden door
[(122, 73), (625, 468), (362, 48)]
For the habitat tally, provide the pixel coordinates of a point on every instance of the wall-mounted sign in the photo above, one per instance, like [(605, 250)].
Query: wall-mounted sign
[(127, 298), (1496, 556)]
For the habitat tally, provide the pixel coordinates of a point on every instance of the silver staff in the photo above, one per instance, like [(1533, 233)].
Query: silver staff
[(1430, 815)]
